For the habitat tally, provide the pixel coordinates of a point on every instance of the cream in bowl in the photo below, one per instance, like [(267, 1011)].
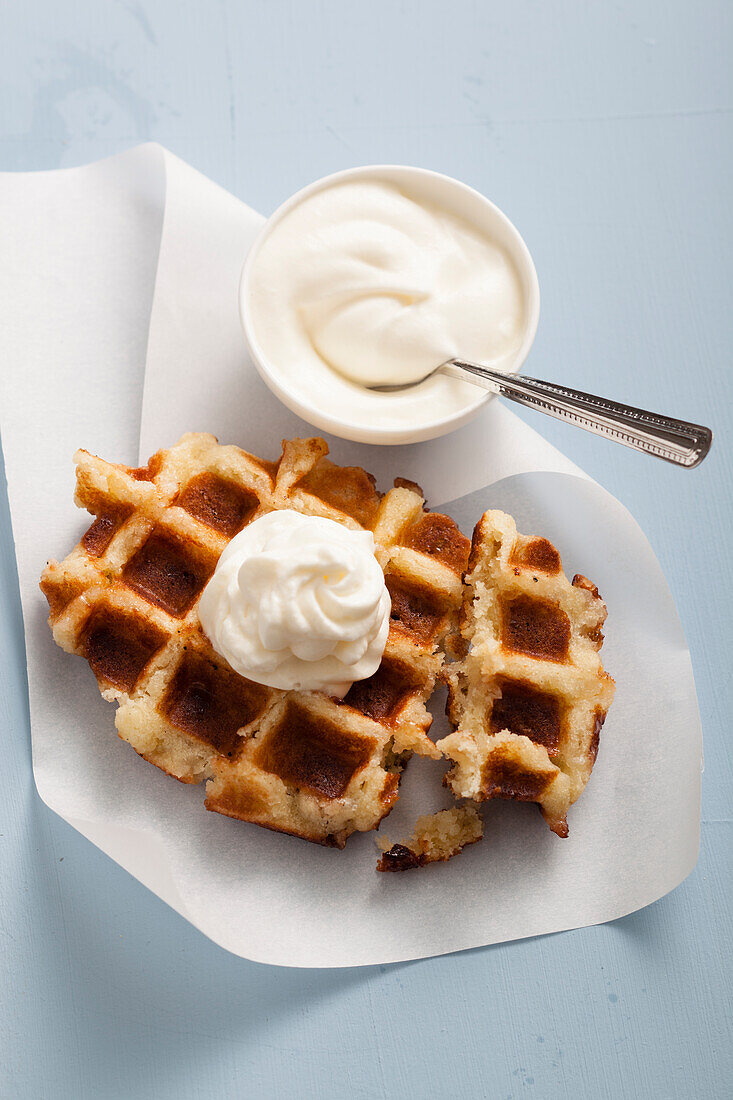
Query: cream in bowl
[(374, 277)]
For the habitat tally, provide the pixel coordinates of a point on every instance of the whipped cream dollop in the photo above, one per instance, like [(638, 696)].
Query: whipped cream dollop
[(380, 287), (298, 602)]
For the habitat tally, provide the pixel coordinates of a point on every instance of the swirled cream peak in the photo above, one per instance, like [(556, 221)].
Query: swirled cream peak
[(298, 602), (381, 287)]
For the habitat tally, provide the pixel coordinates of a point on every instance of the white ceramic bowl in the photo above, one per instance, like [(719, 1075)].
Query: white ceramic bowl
[(387, 418)]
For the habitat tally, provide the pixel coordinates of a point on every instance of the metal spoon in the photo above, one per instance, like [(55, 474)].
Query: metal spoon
[(675, 441)]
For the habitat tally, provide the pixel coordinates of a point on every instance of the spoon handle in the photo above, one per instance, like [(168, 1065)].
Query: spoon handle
[(675, 441)]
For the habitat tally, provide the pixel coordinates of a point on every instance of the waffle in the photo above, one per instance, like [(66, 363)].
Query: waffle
[(126, 599), (528, 698), (435, 839)]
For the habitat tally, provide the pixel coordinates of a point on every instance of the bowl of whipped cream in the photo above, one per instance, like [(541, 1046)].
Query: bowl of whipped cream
[(374, 277)]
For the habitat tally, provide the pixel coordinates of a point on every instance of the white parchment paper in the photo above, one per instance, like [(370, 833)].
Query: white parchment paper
[(98, 263)]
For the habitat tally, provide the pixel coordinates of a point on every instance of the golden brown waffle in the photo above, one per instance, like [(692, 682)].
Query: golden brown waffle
[(126, 599), (529, 697), (435, 839)]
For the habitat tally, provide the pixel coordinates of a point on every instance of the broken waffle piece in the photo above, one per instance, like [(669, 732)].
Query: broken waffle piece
[(126, 600), (529, 697), (435, 839)]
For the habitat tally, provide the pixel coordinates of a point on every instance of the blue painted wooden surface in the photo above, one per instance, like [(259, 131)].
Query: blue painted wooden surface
[(604, 131)]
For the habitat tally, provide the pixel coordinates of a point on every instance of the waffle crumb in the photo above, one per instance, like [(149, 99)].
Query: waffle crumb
[(435, 839)]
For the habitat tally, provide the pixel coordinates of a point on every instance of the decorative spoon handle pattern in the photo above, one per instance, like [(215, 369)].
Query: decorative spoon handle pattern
[(676, 441)]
